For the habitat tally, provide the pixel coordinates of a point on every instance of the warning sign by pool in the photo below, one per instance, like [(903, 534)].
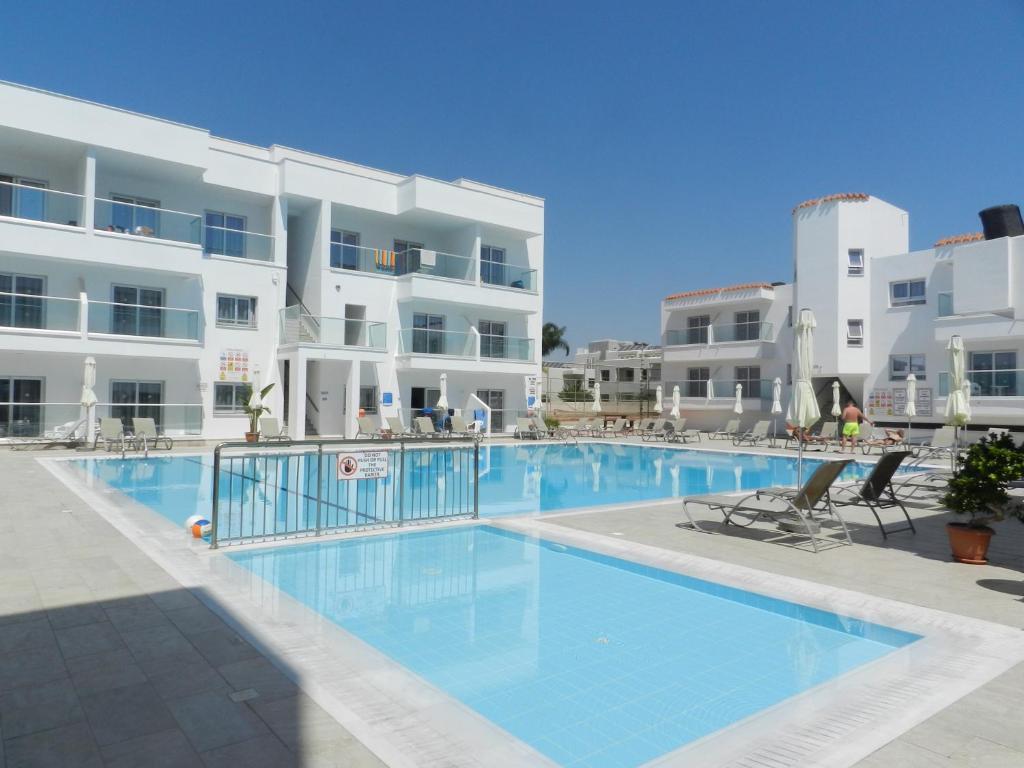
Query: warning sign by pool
[(362, 465)]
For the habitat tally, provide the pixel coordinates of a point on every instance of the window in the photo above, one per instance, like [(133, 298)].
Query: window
[(236, 311), (605, 398), (789, 373), (590, 383), (368, 398), (17, 308), (137, 311), (130, 399), (492, 339), (626, 374), (230, 397), (748, 326), (697, 382), (606, 374), (945, 303), (408, 256), (428, 334), (495, 400), (492, 265), (344, 249), (135, 215), (21, 414), (225, 234), (789, 316), (855, 262), (697, 329), (906, 292), (855, 333), (749, 377), (901, 365), (993, 374), (655, 372), (22, 198)]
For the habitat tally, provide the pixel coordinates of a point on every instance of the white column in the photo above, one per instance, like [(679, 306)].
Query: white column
[(279, 229), (297, 397), (352, 382), (89, 191), (83, 314)]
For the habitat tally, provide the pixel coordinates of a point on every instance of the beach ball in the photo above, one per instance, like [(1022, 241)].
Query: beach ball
[(198, 526)]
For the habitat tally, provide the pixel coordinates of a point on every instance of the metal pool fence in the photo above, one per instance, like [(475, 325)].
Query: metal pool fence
[(303, 488)]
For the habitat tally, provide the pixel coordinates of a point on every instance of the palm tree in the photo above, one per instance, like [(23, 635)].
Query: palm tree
[(552, 339)]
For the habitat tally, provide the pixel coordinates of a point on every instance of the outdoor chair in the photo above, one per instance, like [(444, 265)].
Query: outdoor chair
[(525, 429), (676, 432), (111, 434), (396, 428), (659, 431), (425, 427), (618, 427), (885, 439), (147, 435), (63, 435), (270, 429), (793, 510), (754, 436), (729, 431), (541, 426), (941, 445), (367, 428), (644, 426), (877, 493), (460, 428), (582, 427), (821, 440)]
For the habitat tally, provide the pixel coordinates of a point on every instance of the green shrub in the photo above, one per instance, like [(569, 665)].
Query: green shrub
[(979, 487)]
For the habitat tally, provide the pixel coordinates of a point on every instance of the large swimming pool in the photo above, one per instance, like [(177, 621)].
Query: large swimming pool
[(514, 479), (591, 660)]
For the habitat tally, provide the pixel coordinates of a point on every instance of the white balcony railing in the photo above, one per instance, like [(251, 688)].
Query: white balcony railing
[(298, 327), (999, 383), (35, 203), (719, 334)]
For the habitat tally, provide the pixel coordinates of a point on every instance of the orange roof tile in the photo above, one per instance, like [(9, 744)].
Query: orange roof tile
[(711, 291), (969, 237), (840, 196)]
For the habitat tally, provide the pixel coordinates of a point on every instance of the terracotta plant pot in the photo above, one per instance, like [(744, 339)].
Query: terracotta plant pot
[(252, 437), (970, 545)]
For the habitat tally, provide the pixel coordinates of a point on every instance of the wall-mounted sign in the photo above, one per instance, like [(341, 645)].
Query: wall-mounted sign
[(880, 402), (532, 384), (234, 365), (924, 402), (387, 398), (363, 465)]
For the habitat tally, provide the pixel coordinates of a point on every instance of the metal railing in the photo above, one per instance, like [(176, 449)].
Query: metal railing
[(113, 318), (298, 327), (508, 276), (719, 334), (427, 341), (50, 313), (999, 383), (299, 489), (27, 201)]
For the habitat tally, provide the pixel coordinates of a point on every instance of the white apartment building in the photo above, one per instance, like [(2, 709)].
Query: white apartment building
[(188, 266), (628, 373), (882, 312)]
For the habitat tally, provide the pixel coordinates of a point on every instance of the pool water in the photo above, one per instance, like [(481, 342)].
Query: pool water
[(514, 479), (591, 660)]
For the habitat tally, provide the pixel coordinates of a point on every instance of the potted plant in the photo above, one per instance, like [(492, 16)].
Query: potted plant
[(979, 491), (254, 410)]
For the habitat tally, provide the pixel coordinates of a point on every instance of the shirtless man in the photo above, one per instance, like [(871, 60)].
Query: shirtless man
[(852, 416)]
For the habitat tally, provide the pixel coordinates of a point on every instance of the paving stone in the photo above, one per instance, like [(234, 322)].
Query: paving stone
[(183, 674), (103, 671), (223, 646), (262, 752), (39, 708), (126, 713), (88, 639), (156, 642), (33, 667), (173, 599), (212, 720), (260, 674), (139, 615), (25, 635), (195, 619), (69, 746), (73, 615), (167, 749)]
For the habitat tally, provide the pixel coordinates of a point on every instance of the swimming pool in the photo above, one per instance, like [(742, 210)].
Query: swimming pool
[(591, 660), (514, 479)]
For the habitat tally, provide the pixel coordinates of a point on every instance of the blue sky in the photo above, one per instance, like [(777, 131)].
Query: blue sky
[(669, 140)]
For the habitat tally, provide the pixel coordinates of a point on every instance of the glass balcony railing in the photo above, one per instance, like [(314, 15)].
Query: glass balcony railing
[(171, 418), (35, 203), (506, 348), (298, 327), (221, 241), (719, 334), (424, 341), (140, 320), (722, 389), (36, 420), (508, 276), (50, 313), (421, 261), (1001, 383), (148, 221)]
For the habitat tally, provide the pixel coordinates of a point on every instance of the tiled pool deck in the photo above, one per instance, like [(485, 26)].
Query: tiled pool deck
[(105, 659)]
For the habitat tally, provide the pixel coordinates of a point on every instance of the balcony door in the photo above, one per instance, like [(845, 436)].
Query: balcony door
[(495, 398), (492, 265), (137, 398), (748, 326), (17, 307), (492, 339), (697, 329), (22, 198), (427, 334), (21, 409), (135, 215), (225, 234), (137, 311)]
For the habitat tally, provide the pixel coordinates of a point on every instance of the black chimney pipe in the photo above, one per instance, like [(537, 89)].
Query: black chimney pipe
[(1001, 221)]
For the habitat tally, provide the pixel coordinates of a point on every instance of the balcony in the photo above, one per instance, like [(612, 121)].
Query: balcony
[(298, 327), (427, 341), (1000, 383), (506, 348), (723, 392), (508, 276), (148, 322), (36, 203), (719, 334), (415, 261), (29, 312), (216, 235)]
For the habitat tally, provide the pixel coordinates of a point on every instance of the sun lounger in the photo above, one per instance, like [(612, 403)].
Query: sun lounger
[(270, 429), (366, 428), (396, 428), (460, 428), (425, 427), (583, 427), (644, 426), (676, 432), (885, 439), (729, 431), (541, 426), (754, 436), (66, 435), (525, 429), (793, 510), (659, 431), (877, 493), (618, 427), (112, 434), (825, 436), (941, 445), (147, 435)]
